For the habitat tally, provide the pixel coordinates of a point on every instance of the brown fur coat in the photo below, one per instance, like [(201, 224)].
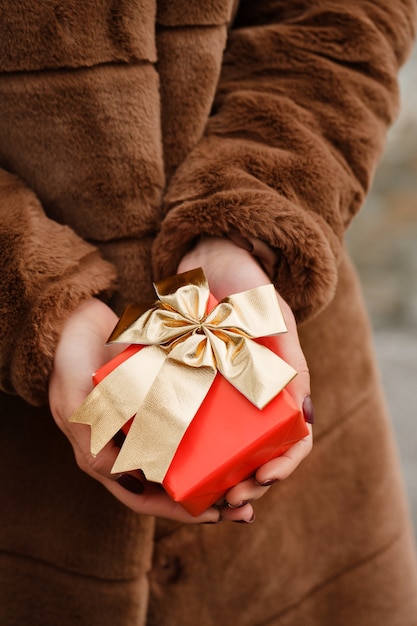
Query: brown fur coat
[(127, 130)]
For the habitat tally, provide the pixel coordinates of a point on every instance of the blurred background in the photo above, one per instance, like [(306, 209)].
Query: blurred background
[(383, 243)]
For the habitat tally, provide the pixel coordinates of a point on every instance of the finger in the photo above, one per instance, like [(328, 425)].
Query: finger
[(289, 349), (130, 488), (156, 502), (95, 465), (244, 514), (244, 493), (277, 469), (283, 466)]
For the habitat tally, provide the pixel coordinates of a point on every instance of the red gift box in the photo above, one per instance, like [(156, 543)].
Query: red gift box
[(228, 439)]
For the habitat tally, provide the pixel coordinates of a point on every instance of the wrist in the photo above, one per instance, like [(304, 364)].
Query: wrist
[(228, 267)]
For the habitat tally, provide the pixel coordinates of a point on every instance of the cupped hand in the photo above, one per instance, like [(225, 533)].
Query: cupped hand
[(230, 269), (80, 352)]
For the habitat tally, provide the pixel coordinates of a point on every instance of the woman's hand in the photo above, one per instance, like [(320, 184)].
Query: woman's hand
[(80, 352), (230, 269)]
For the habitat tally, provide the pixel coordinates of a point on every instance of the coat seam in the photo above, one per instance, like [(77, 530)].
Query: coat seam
[(347, 415), (76, 68), (335, 577), (68, 570)]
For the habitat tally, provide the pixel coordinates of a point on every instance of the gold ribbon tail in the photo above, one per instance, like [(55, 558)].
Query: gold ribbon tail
[(163, 418), (117, 397)]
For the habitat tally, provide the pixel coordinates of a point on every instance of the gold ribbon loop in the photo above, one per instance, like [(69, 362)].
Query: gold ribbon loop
[(165, 383)]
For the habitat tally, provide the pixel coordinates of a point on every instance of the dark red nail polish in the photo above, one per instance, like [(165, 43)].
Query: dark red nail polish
[(308, 410), (119, 438), (240, 504), (266, 483), (130, 483)]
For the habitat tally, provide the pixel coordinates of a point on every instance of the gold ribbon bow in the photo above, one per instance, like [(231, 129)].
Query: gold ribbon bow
[(164, 384)]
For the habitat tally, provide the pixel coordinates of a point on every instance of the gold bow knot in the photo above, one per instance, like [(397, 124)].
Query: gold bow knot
[(165, 383)]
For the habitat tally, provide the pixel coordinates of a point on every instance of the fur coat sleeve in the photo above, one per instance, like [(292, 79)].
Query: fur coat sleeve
[(306, 94), (46, 270)]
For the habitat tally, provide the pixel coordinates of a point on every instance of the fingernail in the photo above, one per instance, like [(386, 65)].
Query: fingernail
[(245, 521), (220, 505), (239, 504), (308, 410), (130, 483), (119, 438), (266, 483)]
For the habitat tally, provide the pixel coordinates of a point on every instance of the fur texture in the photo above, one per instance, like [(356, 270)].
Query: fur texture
[(56, 34), (45, 270), (128, 130), (281, 144)]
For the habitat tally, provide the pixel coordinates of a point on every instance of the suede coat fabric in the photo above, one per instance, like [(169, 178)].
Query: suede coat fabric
[(127, 130)]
